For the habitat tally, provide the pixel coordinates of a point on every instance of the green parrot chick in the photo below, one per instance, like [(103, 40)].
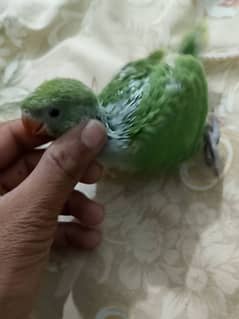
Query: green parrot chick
[(154, 111)]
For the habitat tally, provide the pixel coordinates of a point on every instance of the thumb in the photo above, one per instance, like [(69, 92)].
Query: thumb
[(63, 164)]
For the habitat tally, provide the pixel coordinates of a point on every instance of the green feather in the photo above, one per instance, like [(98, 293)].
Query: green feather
[(194, 41)]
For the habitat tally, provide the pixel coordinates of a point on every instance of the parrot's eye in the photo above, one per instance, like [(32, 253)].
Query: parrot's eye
[(54, 112)]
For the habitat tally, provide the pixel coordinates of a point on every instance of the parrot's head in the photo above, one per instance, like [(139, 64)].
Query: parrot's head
[(58, 105)]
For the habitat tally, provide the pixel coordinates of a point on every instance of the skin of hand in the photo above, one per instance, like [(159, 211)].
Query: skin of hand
[(37, 186)]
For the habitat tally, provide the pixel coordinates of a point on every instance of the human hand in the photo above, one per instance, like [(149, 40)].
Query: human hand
[(38, 185)]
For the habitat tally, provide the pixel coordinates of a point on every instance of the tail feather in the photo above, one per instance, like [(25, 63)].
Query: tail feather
[(156, 57), (194, 42)]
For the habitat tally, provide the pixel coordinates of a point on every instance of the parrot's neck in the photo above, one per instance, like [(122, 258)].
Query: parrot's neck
[(115, 151), (106, 118), (113, 121)]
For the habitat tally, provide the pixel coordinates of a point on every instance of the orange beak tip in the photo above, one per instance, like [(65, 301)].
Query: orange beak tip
[(32, 126)]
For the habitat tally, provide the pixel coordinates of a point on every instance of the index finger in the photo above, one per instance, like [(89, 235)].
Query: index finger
[(14, 141)]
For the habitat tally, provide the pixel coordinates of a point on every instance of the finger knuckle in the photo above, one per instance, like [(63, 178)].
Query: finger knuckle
[(63, 161)]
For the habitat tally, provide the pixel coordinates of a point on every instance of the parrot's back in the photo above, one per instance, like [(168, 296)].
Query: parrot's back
[(156, 111)]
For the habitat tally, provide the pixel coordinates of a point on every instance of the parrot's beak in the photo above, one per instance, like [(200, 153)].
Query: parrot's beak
[(32, 126)]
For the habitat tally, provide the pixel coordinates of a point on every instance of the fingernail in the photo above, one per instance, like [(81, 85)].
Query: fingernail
[(93, 134)]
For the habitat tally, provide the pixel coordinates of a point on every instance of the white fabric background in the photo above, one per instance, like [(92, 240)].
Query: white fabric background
[(170, 247)]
